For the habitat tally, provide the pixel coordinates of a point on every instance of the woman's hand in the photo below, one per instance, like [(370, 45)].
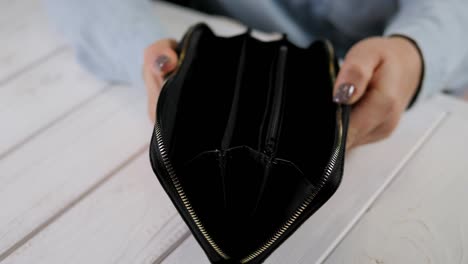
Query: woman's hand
[(160, 59), (379, 77)]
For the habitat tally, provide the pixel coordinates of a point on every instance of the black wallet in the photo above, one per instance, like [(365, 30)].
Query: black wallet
[(248, 142)]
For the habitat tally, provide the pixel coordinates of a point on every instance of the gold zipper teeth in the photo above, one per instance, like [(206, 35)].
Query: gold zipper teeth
[(182, 195), (328, 171), (298, 212), (289, 222), (329, 168)]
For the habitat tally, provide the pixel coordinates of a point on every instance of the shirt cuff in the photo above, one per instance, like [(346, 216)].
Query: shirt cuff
[(420, 30)]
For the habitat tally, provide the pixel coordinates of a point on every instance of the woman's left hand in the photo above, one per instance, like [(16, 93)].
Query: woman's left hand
[(379, 77)]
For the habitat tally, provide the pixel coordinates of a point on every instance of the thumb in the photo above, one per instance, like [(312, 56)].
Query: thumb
[(161, 59), (356, 72)]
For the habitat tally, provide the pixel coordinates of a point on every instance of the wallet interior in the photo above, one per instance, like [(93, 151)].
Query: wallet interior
[(249, 128)]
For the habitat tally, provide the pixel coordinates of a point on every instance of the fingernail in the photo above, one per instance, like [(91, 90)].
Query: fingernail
[(344, 93), (161, 63)]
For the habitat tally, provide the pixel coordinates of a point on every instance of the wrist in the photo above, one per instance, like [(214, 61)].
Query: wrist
[(411, 60)]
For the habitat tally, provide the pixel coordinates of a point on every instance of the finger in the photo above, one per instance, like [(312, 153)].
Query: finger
[(375, 107), (152, 91), (356, 72), (363, 121), (383, 131), (159, 59), (391, 108)]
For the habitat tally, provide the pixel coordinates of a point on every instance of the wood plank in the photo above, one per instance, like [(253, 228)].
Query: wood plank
[(128, 220), (453, 104), (422, 216), (42, 95), (368, 171), (41, 179), (26, 36)]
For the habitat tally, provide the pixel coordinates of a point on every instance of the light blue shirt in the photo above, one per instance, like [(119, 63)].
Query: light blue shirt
[(110, 35), (438, 28)]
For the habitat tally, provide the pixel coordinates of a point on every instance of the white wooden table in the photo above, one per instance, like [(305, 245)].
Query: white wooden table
[(76, 185)]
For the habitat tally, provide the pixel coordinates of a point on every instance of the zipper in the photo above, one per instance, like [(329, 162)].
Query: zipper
[(180, 191), (170, 169), (277, 103), (328, 171), (275, 109), (280, 232), (232, 120), (229, 130)]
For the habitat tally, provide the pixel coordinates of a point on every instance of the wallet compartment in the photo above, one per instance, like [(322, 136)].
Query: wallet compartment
[(234, 145)]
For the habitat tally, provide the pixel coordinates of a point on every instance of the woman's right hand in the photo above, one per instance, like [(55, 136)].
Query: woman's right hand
[(160, 59)]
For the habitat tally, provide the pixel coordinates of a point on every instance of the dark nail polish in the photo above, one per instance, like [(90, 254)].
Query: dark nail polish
[(344, 93), (161, 62)]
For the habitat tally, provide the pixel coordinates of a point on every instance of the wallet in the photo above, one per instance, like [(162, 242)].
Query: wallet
[(248, 142)]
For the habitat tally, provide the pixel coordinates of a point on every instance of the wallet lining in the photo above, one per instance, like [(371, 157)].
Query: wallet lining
[(225, 142)]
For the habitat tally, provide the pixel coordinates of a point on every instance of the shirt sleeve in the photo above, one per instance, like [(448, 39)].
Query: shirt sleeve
[(108, 36), (438, 28)]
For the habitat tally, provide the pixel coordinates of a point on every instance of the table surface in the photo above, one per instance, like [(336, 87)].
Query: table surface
[(76, 185)]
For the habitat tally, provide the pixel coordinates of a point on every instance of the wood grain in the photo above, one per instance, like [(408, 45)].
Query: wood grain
[(76, 185), (26, 37), (453, 105), (41, 96), (368, 171), (422, 217), (128, 220), (55, 168)]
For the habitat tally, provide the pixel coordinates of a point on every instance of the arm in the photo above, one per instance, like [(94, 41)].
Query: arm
[(115, 38), (109, 36), (380, 76), (439, 30)]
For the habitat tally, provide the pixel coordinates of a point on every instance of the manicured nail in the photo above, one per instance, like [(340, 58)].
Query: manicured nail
[(161, 62), (344, 93)]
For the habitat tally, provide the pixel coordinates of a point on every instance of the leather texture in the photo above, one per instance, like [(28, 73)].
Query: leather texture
[(248, 143)]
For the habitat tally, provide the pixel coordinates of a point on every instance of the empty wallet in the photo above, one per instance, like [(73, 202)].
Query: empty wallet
[(248, 142)]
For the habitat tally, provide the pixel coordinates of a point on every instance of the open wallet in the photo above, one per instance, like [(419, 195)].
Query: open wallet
[(248, 142)]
